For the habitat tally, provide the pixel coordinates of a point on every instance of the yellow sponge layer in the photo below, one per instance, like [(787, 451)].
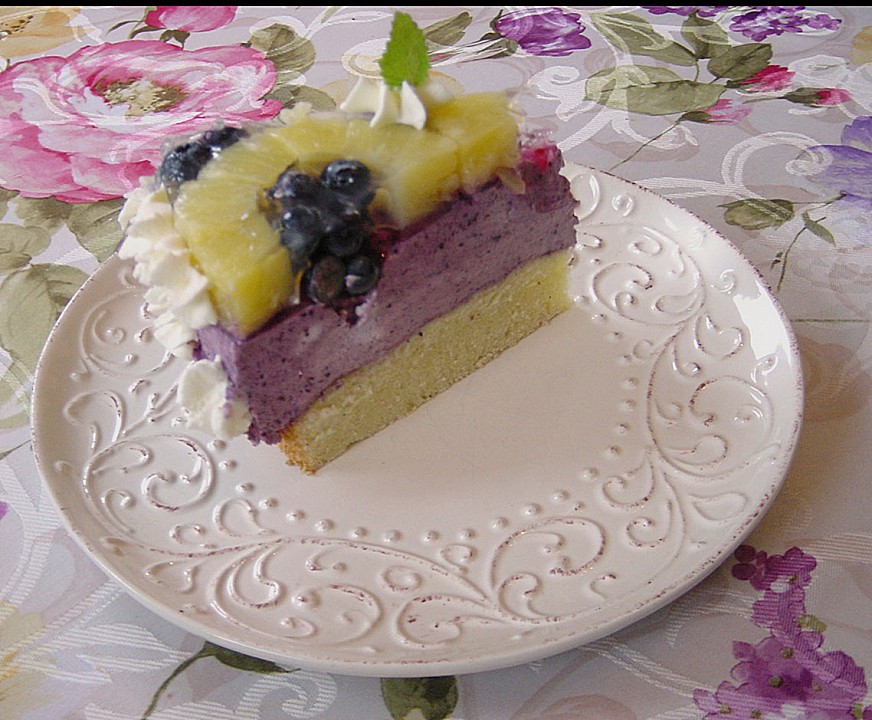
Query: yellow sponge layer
[(446, 350)]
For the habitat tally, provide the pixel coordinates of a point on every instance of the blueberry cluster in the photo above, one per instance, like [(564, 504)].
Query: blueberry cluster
[(185, 161), (325, 225)]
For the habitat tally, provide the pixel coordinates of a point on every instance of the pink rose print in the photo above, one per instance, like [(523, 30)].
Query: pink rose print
[(190, 18), (546, 31), (89, 126), (832, 96), (723, 112), (818, 97), (772, 77)]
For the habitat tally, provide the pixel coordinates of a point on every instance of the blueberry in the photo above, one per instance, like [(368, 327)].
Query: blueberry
[(351, 180), (295, 185), (326, 279), (223, 137), (184, 162), (301, 228), (337, 214), (345, 240), (361, 275)]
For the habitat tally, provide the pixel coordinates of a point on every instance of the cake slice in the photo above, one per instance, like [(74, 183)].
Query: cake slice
[(332, 272)]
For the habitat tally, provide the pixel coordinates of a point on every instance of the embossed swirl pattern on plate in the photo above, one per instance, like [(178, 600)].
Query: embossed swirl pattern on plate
[(206, 530)]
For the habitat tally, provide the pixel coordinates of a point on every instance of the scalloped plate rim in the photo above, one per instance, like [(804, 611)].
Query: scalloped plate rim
[(413, 666)]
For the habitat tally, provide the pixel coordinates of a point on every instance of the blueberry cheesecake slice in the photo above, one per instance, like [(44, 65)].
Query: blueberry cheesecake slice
[(330, 273)]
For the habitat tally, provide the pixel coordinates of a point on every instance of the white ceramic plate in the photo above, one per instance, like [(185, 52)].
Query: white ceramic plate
[(582, 480)]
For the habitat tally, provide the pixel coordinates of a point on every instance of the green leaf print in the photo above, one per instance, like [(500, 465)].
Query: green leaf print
[(30, 301), (179, 36), (815, 227), (231, 658), (804, 96), (432, 698), (497, 46), (47, 213), (649, 90), (290, 95), (19, 245), (740, 61), (637, 36), (448, 32), (707, 38), (96, 227), (291, 54), (812, 623), (758, 213), (13, 402), (5, 197)]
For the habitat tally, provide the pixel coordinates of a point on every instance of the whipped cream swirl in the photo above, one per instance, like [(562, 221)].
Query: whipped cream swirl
[(177, 292), (406, 105), (202, 392)]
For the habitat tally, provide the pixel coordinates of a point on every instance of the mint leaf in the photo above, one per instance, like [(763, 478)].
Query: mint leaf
[(405, 58)]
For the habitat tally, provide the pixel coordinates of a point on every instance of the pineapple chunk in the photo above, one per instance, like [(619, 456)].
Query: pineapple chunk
[(244, 294), (485, 131), (316, 140)]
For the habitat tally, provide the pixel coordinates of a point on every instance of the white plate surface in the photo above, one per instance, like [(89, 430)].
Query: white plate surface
[(582, 480)]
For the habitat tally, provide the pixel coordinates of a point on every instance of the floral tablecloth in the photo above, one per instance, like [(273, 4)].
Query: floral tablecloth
[(756, 119)]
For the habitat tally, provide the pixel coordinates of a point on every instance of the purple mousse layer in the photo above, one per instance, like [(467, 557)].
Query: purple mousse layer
[(427, 270)]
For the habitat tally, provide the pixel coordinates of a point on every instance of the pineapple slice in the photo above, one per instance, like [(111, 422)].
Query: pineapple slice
[(230, 240), (466, 141)]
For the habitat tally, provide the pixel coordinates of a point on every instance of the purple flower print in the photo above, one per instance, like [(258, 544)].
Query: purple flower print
[(767, 672), (3, 508), (847, 168), (822, 21), (546, 31), (786, 674), (794, 568), (685, 10), (761, 22), (758, 22)]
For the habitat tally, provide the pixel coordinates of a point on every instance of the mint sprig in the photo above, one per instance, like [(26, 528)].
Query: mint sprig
[(405, 58)]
